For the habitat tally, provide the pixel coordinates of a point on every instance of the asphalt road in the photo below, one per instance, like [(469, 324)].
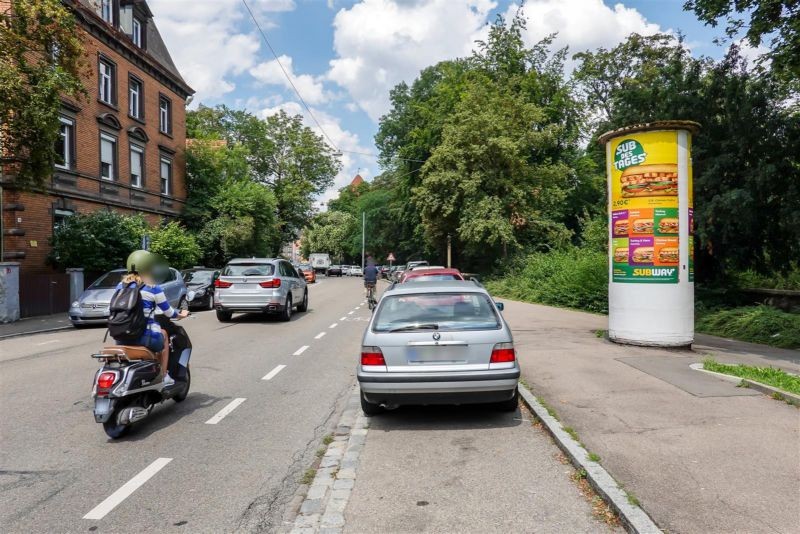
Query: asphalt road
[(57, 465)]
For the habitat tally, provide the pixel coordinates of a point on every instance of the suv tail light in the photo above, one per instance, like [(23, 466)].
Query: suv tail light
[(503, 352), (372, 356), (105, 381), (222, 283), (275, 282)]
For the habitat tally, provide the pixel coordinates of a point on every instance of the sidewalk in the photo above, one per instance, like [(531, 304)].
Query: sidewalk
[(34, 325), (700, 454)]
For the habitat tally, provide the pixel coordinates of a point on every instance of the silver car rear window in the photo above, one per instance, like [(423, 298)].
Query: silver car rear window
[(447, 311), (108, 280), (249, 269)]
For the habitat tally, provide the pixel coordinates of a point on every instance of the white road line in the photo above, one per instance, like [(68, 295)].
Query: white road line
[(99, 511), (48, 342), (271, 374), (320, 335), (334, 325), (225, 411), (300, 351), (358, 307), (351, 312), (342, 318)]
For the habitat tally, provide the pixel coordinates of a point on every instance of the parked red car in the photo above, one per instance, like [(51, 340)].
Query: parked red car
[(431, 273), (308, 272)]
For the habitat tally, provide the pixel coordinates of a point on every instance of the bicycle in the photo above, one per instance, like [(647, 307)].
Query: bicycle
[(371, 302)]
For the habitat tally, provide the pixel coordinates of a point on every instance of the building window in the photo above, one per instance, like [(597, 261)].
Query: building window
[(108, 157), (65, 143), (135, 99), (107, 10), (164, 115), (107, 82), (136, 33), (60, 216), (137, 166), (166, 176)]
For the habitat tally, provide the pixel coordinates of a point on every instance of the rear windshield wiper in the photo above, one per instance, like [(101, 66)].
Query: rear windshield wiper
[(417, 326)]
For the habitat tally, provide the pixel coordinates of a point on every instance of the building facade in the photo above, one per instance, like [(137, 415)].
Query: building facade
[(121, 148)]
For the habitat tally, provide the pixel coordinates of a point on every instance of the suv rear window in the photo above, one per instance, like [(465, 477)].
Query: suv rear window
[(436, 311), (249, 269)]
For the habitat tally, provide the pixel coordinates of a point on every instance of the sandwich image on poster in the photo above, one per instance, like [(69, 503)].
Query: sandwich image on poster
[(657, 180), (643, 226), (666, 221), (619, 223), (666, 250), (621, 255), (641, 251)]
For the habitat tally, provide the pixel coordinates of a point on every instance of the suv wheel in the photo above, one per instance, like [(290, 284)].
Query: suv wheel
[(287, 310), (223, 316), (369, 408), (304, 306)]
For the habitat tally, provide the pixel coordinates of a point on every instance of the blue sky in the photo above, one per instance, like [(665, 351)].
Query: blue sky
[(345, 55)]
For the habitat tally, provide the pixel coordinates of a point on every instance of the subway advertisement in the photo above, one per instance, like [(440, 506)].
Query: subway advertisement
[(644, 208)]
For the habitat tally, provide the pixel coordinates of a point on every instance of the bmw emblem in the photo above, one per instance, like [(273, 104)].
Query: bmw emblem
[(437, 336), (94, 306)]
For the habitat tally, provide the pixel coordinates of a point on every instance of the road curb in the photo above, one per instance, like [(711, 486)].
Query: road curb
[(633, 518), (791, 398), (32, 332)]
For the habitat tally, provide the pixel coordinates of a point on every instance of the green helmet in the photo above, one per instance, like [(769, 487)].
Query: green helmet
[(147, 263)]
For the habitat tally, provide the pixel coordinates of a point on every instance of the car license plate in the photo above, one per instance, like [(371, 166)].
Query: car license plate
[(436, 354)]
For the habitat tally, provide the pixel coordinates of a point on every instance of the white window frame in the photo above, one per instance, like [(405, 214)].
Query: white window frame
[(166, 185), (136, 32), (111, 168), (105, 72), (139, 182), (107, 10), (164, 112), (135, 98), (67, 141)]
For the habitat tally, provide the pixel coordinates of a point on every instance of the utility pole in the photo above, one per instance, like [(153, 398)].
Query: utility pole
[(363, 236), (449, 252)]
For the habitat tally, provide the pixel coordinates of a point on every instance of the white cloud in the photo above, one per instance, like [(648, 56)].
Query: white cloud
[(205, 42), (581, 24), (311, 88), (380, 43), (752, 54)]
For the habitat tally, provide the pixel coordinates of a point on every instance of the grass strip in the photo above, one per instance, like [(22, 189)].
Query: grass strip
[(770, 376), (756, 324)]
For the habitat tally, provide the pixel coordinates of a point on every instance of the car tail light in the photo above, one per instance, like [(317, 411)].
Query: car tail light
[(503, 352), (275, 282), (222, 283), (105, 381), (372, 356)]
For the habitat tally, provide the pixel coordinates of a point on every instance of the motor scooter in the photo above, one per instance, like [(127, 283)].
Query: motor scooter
[(128, 386)]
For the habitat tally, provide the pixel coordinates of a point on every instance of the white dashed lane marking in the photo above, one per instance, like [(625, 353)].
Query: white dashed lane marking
[(225, 411), (271, 374), (342, 318), (350, 313), (334, 325), (300, 351), (320, 335), (100, 511)]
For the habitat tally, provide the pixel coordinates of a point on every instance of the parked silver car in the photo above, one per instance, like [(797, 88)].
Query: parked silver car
[(262, 285), (437, 343), (92, 306)]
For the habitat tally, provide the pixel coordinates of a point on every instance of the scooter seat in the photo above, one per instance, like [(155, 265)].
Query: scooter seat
[(130, 352)]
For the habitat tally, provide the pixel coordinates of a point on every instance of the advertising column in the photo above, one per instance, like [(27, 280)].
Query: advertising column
[(651, 267)]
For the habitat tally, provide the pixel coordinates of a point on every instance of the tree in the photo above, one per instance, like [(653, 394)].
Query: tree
[(776, 20), (329, 233), (175, 244), (98, 241), (40, 61)]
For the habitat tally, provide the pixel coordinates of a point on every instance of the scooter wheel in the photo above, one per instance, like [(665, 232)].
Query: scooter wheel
[(185, 393), (113, 429)]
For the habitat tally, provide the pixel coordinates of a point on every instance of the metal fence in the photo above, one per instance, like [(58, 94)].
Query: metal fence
[(43, 294)]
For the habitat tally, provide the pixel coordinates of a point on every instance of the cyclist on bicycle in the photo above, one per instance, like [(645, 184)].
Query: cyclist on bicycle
[(370, 275)]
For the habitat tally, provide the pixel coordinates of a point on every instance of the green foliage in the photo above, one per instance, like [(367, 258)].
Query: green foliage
[(776, 20), (756, 324), (573, 278), (770, 376), (752, 279), (175, 244), (40, 60), (329, 233), (98, 241)]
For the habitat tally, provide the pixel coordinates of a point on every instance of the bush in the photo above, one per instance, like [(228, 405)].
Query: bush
[(573, 278), (751, 279), (98, 241), (757, 324), (176, 244)]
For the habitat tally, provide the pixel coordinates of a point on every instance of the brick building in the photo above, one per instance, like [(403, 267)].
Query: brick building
[(122, 147)]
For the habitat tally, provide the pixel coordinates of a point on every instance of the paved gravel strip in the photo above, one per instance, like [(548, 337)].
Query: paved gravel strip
[(633, 518), (323, 507)]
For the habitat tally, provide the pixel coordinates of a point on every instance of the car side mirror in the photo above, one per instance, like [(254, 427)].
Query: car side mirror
[(500, 306)]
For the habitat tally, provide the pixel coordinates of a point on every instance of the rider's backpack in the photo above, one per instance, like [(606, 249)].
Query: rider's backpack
[(126, 321)]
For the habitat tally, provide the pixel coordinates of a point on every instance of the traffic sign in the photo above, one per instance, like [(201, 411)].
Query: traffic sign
[(391, 257)]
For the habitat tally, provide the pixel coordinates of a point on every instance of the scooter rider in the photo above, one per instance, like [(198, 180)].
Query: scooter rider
[(143, 267)]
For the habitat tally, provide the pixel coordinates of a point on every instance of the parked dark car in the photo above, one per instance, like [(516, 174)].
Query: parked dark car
[(200, 287), (334, 270)]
